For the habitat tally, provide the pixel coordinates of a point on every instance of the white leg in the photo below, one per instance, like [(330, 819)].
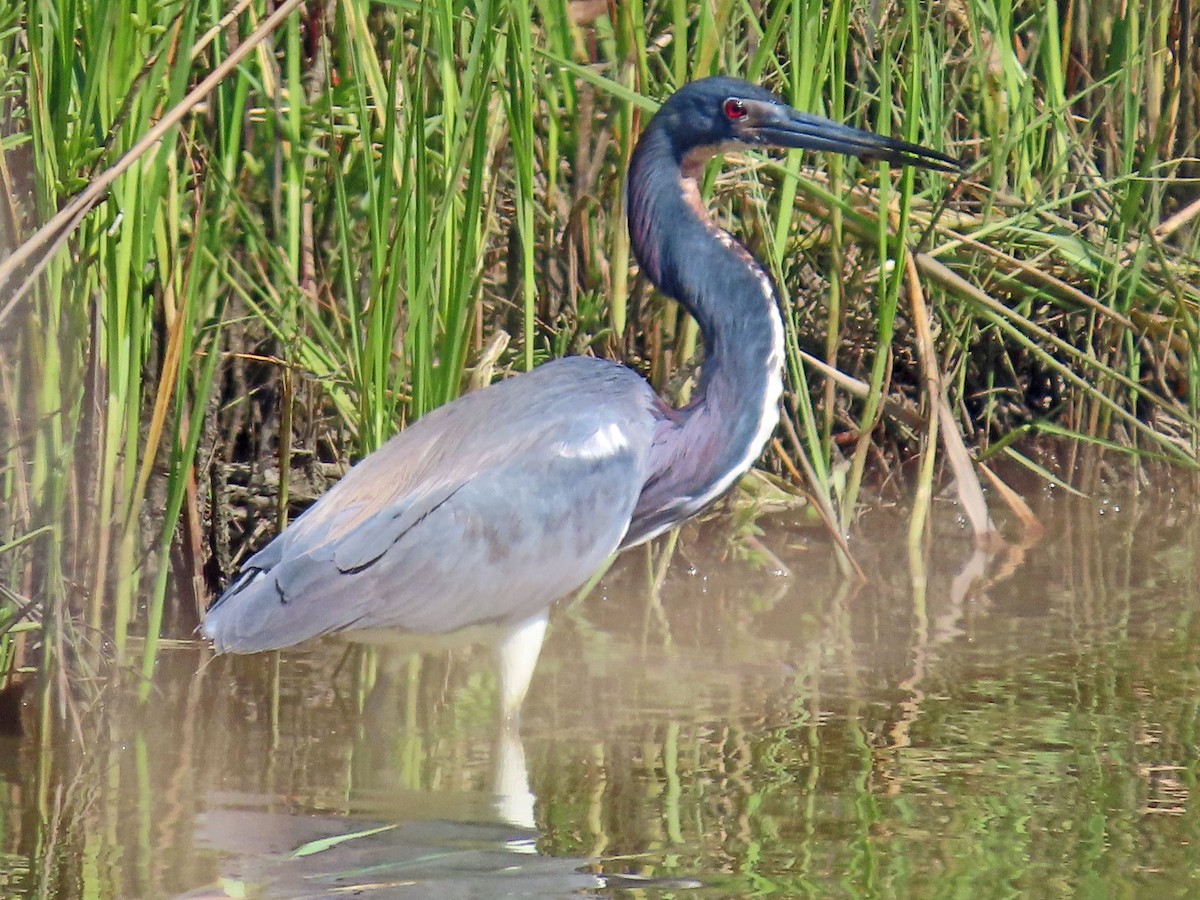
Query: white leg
[(516, 657)]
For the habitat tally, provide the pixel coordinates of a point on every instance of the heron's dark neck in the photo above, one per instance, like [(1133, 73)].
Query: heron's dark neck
[(689, 258)]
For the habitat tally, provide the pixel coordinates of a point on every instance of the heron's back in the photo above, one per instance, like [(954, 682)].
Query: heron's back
[(486, 510)]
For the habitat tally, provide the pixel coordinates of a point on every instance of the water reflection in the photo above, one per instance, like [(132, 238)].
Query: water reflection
[(287, 855), (959, 723), (391, 707)]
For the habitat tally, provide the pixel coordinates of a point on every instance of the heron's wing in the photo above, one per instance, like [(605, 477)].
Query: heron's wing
[(573, 408), (384, 530), (482, 511), (354, 536)]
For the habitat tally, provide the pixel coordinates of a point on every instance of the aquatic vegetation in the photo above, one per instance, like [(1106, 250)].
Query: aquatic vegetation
[(321, 244)]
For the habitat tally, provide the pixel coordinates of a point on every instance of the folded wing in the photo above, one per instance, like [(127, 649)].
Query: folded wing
[(487, 510)]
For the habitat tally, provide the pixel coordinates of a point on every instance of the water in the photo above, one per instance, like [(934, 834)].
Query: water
[(1024, 723)]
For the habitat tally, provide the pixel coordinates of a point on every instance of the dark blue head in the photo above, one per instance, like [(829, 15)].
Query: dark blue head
[(679, 248), (719, 113)]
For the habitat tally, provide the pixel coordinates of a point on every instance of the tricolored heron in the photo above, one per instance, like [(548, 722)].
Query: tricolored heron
[(488, 509)]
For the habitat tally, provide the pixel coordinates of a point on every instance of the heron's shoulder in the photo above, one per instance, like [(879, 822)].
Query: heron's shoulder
[(562, 389), (571, 372)]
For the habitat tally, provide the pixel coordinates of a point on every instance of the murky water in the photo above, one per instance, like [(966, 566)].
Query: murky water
[(1014, 724)]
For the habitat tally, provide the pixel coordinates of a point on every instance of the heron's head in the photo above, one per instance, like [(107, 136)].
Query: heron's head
[(721, 113)]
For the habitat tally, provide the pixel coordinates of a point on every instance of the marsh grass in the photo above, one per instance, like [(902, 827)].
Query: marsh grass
[(323, 247)]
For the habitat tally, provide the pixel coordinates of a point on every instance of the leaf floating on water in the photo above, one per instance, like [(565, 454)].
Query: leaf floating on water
[(322, 844), (633, 880)]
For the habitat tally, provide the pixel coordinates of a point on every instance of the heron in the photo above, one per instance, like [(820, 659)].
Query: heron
[(488, 509)]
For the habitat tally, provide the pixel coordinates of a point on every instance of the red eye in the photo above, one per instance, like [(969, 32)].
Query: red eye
[(735, 109)]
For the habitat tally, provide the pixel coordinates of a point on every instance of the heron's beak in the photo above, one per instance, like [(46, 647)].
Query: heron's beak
[(782, 126)]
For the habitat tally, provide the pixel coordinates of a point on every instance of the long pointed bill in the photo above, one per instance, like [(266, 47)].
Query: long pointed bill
[(782, 126)]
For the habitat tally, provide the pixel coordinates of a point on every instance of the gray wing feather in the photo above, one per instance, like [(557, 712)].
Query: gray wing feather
[(367, 543), (486, 510)]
